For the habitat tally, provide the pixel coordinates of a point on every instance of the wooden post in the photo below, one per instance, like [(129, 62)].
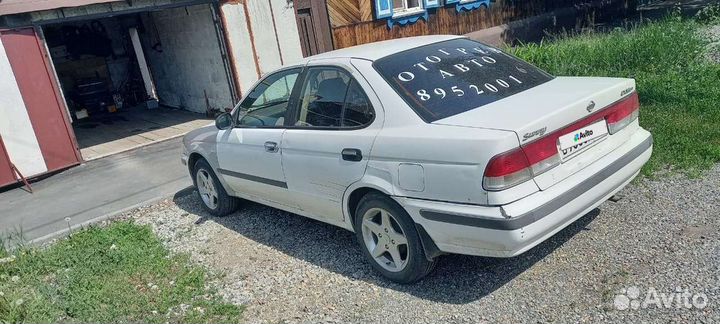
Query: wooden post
[(144, 68)]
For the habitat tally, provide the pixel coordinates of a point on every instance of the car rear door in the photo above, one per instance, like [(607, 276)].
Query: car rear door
[(249, 155), (328, 140)]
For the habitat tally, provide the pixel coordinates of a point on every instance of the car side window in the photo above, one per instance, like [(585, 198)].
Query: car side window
[(332, 98), (323, 98), (268, 102), (358, 110)]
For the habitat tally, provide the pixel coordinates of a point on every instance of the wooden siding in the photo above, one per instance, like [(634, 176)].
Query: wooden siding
[(366, 10), (346, 12), (353, 23)]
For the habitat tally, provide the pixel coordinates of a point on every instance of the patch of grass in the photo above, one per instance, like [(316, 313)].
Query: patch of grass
[(679, 89), (118, 273)]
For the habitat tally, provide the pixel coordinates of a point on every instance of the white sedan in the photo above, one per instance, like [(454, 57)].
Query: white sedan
[(424, 146)]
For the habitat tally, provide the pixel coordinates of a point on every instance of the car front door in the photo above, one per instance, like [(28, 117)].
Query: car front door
[(249, 154), (328, 140)]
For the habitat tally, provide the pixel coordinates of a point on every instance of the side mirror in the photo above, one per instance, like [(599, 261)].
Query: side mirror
[(224, 121)]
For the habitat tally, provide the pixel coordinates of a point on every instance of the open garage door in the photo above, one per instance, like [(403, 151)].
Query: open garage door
[(47, 145), (135, 79), (7, 174)]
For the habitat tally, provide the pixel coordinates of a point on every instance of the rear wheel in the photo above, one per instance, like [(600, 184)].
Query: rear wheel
[(389, 240), (212, 194)]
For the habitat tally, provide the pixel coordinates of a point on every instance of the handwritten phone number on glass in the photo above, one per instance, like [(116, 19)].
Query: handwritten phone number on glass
[(494, 87)]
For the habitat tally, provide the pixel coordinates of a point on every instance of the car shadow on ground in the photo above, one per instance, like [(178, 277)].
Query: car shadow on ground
[(458, 279)]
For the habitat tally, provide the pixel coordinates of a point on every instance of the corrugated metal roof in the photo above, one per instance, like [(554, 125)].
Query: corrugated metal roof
[(8, 7)]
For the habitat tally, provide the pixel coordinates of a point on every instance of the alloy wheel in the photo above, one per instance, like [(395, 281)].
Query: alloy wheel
[(385, 239), (206, 188)]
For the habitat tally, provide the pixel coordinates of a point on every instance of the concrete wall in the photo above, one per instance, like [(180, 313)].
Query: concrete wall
[(15, 127), (257, 48), (191, 56), (190, 63)]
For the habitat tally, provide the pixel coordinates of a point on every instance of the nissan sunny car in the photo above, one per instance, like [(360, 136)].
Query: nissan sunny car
[(423, 146)]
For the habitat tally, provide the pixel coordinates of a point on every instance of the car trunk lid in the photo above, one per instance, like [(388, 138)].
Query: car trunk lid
[(561, 112)]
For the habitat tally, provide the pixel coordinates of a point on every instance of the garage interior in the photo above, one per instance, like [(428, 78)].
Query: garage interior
[(134, 79)]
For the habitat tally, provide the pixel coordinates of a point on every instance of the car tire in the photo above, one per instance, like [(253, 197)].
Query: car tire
[(379, 240), (213, 196)]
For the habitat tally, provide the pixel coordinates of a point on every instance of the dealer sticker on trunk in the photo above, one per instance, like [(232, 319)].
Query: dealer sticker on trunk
[(581, 139)]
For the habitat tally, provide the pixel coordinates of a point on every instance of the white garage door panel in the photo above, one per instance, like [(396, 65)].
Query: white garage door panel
[(266, 44), (240, 45), (15, 127), (288, 35)]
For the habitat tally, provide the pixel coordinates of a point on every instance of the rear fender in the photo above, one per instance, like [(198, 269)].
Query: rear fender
[(374, 179)]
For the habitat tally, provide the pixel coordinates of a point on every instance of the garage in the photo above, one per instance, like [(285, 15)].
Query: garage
[(134, 79), (85, 79)]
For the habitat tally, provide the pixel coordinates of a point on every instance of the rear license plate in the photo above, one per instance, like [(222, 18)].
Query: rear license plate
[(581, 139)]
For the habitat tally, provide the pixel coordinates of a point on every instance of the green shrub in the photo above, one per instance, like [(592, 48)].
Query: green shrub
[(679, 89)]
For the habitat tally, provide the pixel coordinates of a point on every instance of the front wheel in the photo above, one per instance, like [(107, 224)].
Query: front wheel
[(389, 240), (211, 192)]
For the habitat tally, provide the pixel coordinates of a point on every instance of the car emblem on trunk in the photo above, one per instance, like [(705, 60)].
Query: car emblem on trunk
[(538, 132), (591, 106)]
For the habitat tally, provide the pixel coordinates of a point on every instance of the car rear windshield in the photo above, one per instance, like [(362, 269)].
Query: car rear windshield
[(451, 77)]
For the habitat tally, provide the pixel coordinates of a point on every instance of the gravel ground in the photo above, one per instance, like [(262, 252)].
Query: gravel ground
[(660, 239), (712, 34)]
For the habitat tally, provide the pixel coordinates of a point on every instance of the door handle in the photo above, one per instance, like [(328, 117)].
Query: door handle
[(352, 154), (271, 147)]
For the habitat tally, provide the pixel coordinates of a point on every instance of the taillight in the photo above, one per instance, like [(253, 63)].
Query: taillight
[(506, 170), (623, 113), (542, 154), (522, 164)]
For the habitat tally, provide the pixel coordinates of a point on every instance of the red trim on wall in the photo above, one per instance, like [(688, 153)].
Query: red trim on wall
[(277, 38), (252, 38), (231, 54), (46, 111)]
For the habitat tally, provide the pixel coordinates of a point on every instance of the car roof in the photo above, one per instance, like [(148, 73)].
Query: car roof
[(378, 50)]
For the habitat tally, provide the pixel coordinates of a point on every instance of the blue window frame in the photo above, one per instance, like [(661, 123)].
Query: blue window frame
[(383, 9), (403, 12), (467, 5)]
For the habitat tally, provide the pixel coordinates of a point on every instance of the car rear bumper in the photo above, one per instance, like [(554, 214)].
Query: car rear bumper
[(511, 229)]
